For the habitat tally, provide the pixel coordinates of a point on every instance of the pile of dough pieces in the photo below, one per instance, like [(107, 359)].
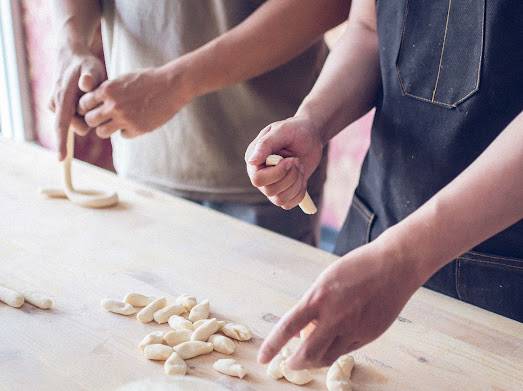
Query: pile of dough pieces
[(192, 333), (17, 299)]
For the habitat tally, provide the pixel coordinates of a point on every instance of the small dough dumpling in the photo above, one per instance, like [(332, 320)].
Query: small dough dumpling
[(177, 336), (206, 328), (11, 297), (339, 373), (187, 301), (222, 344), (146, 314), (298, 377), (200, 311), (231, 367), (157, 352), (156, 337), (175, 365), (192, 349), (274, 367), (118, 307), (179, 322), (237, 331), (162, 315), (138, 300), (38, 299)]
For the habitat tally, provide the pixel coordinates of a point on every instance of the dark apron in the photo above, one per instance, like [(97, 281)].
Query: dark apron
[(452, 80)]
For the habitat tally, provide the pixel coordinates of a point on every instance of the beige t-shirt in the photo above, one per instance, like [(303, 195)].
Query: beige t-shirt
[(199, 153)]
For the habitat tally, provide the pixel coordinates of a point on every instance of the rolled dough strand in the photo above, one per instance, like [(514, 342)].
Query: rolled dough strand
[(307, 204), (38, 299), (11, 297), (89, 198)]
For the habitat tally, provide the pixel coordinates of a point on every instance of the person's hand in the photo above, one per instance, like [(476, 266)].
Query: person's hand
[(134, 103), (78, 72), (298, 142), (351, 303)]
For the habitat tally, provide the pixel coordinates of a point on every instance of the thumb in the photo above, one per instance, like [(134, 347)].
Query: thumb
[(272, 142), (90, 77)]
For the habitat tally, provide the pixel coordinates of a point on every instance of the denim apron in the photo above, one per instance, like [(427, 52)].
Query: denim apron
[(451, 81)]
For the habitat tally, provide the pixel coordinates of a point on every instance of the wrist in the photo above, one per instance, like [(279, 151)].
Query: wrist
[(178, 79), (309, 112)]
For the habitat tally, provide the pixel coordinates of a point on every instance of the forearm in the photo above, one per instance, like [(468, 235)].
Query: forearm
[(347, 86), (77, 22), (275, 33), (483, 200)]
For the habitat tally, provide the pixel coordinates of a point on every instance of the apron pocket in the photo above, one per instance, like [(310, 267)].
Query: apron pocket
[(491, 282), (356, 230), (439, 59)]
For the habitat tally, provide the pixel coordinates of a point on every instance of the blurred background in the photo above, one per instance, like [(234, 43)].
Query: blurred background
[(28, 50)]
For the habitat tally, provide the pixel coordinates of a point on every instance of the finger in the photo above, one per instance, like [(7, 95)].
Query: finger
[(286, 198), (91, 76), (291, 323), (276, 188), (130, 133), (79, 126), (97, 116), (268, 144), (269, 175), (65, 107), (295, 201), (88, 102), (313, 349), (107, 129), (251, 146), (340, 346)]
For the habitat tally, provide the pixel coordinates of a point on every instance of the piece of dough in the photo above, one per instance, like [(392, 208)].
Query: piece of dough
[(177, 336), (274, 367), (187, 301), (85, 198), (307, 204), (237, 331), (162, 316), (192, 349), (231, 367), (222, 344), (175, 365), (118, 307), (138, 300), (339, 373), (157, 352), (146, 314), (177, 322), (298, 377), (207, 328), (156, 337), (200, 311), (38, 299), (11, 297)]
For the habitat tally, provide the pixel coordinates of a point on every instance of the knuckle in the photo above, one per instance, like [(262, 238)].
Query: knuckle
[(256, 180)]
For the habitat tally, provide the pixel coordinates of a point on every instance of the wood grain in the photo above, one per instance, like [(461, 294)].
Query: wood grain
[(160, 245)]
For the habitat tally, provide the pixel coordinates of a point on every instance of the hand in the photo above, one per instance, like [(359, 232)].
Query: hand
[(351, 303), (298, 142), (136, 103), (79, 71)]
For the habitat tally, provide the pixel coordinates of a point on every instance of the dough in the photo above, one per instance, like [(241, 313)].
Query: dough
[(192, 349), (222, 344), (118, 307), (300, 377), (177, 336), (85, 198), (200, 311), (146, 315), (38, 299), (274, 367), (207, 328), (156, 337), (338, 375), (11, 297), (177, 322), (307, 204), (157, 352), (187, 301), (230, 366), (138, 300), (237, 331), (175, 365), (162, 316)]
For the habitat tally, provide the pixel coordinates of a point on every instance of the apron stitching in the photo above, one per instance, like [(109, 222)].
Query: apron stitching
[(491, 256), (457, 276), (442, 50), (492, 263)]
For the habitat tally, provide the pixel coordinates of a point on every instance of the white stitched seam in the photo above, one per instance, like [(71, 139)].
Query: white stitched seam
[(442, 51)]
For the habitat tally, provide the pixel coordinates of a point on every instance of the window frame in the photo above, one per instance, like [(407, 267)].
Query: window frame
[(16, 116)]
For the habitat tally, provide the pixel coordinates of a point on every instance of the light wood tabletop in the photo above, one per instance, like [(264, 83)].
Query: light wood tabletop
[(163, 246)]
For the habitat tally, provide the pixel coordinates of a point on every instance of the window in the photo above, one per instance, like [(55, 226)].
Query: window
[(15, 103)]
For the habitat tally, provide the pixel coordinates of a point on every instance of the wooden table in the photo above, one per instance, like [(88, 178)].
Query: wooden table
[(160, 245)]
